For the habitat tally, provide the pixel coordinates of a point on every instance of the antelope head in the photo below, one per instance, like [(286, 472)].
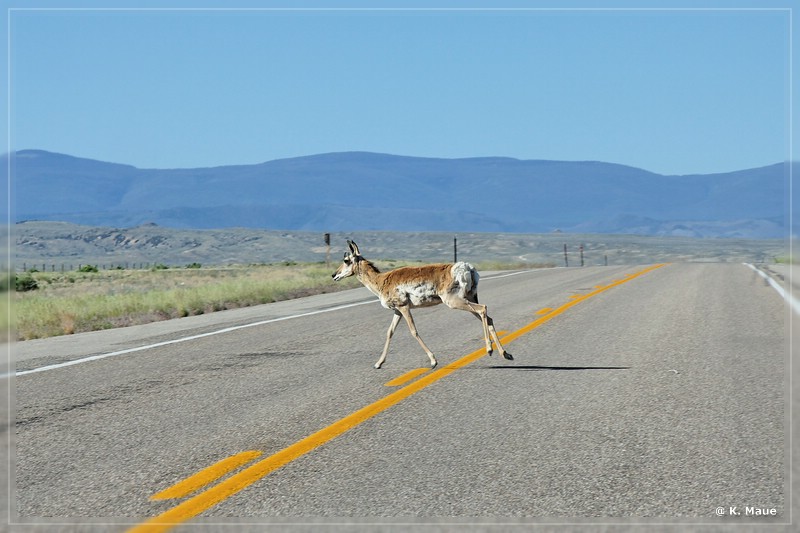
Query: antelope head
[(348, 266)]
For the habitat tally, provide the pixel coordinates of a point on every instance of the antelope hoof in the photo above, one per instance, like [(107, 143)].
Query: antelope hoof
[(377, 365), (489, 353), (508, 356), (433, 364)]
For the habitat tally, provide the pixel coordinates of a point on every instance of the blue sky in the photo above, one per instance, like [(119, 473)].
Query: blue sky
[(673, 91)]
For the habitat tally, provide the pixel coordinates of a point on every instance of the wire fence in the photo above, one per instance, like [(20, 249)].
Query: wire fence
[(71, 267)]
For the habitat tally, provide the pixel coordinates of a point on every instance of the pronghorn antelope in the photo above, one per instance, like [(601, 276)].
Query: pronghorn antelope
[(455, 285)]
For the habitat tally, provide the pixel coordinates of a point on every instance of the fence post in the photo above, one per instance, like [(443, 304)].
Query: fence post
[(566, 260), (455, 250)]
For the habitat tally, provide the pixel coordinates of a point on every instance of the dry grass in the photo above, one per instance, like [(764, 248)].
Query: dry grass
[(74, 302)]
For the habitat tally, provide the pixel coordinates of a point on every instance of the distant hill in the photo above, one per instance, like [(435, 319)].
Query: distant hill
[(359, 191)]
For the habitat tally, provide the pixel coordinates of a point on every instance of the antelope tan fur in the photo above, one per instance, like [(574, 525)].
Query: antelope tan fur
[(402, 289)]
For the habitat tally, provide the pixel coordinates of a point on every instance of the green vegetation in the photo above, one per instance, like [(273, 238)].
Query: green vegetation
[(25, 282)]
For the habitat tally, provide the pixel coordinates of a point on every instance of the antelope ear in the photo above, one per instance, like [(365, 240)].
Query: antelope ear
[(353, 247)]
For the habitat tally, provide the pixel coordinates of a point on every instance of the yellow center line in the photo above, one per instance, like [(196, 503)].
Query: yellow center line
[(253, 473), (408, 376), (206, 476)]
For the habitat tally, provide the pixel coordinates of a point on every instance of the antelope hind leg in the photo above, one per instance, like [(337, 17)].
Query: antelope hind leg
[(478, 311), (489, 332), (500, 347)]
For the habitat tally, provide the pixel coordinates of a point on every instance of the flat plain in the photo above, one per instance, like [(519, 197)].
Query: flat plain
[(55, 246)]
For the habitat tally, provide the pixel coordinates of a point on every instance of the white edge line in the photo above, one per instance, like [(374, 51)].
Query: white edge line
[(207, 334), (498, 276), (181, 339), (793, 302)]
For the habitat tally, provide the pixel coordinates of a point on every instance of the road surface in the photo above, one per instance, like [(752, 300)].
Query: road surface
[(637, 395)]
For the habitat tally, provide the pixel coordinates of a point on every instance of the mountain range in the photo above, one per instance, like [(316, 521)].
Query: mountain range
[(362, 191)]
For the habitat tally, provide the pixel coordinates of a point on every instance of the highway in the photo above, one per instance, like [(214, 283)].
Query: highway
[(646, 394)]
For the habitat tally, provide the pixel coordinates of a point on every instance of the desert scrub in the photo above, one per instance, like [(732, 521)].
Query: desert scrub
[(75, 302)]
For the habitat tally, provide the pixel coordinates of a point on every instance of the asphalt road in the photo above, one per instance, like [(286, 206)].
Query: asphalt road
[(654, 399)]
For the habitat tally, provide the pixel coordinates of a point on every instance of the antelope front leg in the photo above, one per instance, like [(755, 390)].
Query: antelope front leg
[(413, 328), (393, 326)]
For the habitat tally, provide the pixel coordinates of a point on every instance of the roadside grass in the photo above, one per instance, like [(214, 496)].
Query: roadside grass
[(74, 302)]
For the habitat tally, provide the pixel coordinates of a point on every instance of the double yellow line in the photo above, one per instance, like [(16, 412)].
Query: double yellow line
[(256, 471)]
